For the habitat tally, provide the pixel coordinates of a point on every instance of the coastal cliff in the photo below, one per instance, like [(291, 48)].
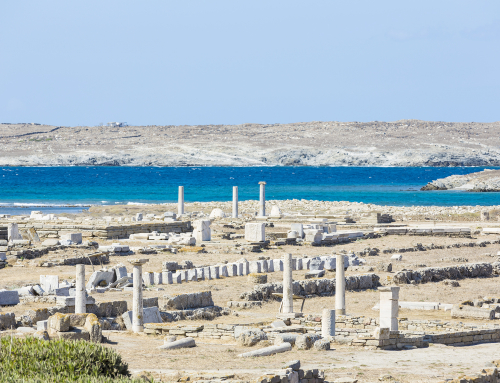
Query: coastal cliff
[(485, 181), (400, 143)]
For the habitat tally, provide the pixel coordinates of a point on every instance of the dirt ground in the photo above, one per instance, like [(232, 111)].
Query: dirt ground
[(219, 357)]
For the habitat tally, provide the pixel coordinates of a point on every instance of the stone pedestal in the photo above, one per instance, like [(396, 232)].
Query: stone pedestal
[(137, 304), (255, 232), (389, 307)]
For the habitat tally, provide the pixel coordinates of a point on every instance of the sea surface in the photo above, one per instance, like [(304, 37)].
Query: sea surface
[(57, 189)]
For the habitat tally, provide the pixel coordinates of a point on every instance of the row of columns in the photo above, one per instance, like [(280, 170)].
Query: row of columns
[(262, 201), (389, 297)]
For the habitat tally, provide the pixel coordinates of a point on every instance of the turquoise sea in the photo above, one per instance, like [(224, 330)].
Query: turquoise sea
[(53, 188)]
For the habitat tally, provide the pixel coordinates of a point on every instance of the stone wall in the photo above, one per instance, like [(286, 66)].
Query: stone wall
[(103, 230), (443, 231), (436, 274), (311, 287)]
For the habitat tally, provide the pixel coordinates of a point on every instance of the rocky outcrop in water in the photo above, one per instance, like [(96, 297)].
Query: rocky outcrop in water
[(485, 181)]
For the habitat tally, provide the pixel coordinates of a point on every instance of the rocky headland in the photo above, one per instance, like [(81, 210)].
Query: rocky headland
[(485, 181), (399, 143)]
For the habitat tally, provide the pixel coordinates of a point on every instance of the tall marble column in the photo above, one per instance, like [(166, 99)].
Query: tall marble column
[(81, 292), (235, 201), (287, 284), (137, 303), (262, 200), (180, 204), (340, 285)]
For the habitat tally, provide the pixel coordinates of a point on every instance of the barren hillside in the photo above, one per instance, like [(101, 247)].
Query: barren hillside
[(400, 143)]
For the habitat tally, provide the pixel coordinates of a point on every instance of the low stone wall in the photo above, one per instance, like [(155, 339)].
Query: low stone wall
[(444, 231), (202, 313), (420, 247), (105, 231), (210, 331), (310, 287), (436, 274)]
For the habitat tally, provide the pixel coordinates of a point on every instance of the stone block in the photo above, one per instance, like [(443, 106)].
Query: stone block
[(214, 272), (49, 282), (42, 325), (223, 271), (9, 297), (270, 266), (192, 275), (278, 264), (148, 279), (7, 321), (158, 278), (120, 272), (99, 278), (167, 278), (255, 267), (150, 315), (76, 238), (299, 228), (316, 264), (255, 232), (202, 231), (59, 322), (232, 269)]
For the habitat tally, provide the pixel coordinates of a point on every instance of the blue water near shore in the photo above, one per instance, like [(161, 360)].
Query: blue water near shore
[(43, 188)]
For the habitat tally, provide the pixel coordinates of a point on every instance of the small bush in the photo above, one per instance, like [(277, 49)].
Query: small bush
[(31, 359)]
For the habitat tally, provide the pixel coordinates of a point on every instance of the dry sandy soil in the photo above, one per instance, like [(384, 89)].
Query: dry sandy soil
[(399, 143), (219, 357)]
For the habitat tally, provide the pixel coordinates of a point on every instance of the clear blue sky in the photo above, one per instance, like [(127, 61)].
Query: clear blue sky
[(230, 62)]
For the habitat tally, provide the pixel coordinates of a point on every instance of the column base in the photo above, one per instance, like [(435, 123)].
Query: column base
[(339, 311), (138, 328)]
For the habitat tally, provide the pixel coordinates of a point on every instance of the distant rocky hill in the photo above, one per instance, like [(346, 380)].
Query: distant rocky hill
[(485, 181), (399, 143)]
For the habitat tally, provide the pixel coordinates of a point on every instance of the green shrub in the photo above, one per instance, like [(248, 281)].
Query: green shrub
[(31, 359)]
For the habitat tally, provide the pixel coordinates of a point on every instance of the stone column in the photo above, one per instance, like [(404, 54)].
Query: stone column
[(287, 284), (262, 201), (235, 201), (137, 304), (389, 307), (180, 204), (340, 285), (328, 323), (81, 293)]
